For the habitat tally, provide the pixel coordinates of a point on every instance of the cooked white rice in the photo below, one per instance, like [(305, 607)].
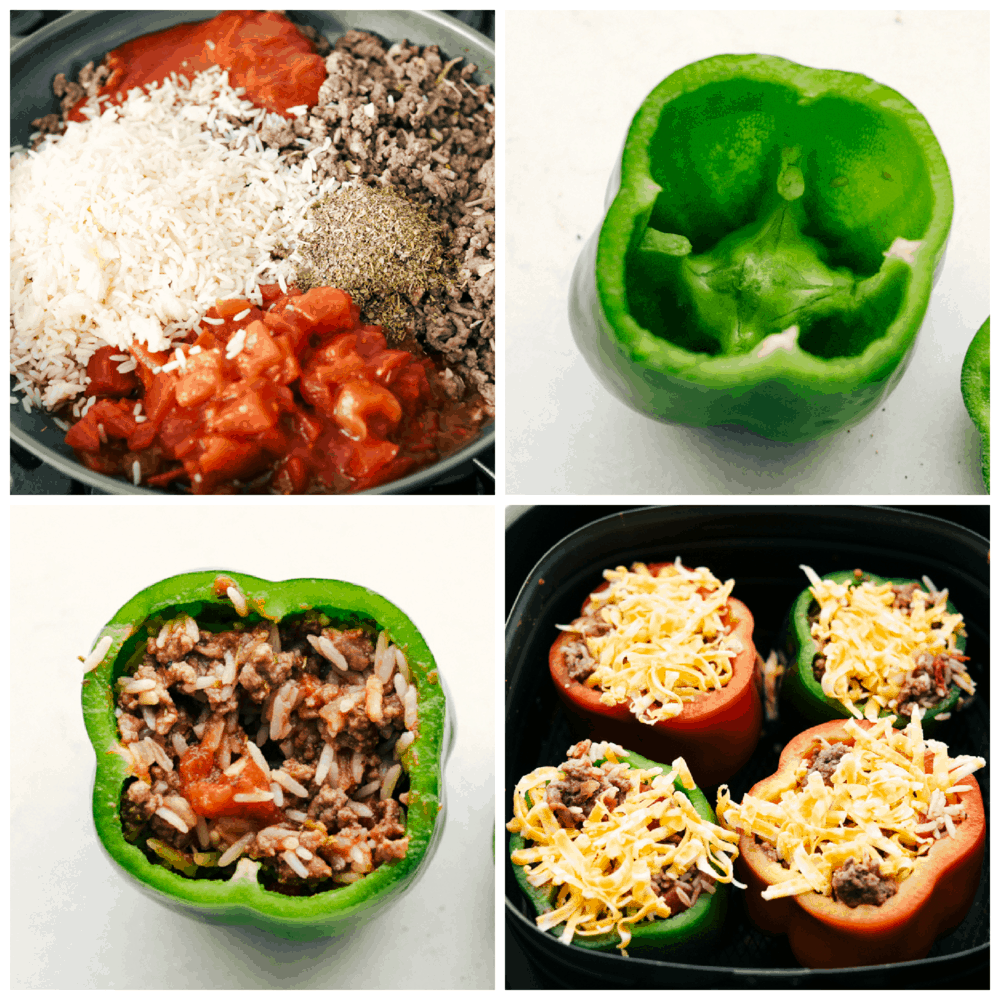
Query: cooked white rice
[(131, 224)]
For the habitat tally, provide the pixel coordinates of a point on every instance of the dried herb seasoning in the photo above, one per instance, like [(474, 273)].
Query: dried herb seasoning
[(380, 247)]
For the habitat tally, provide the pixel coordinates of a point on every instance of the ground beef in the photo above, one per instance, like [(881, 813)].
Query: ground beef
[(769, 851), (591, 625), (927, 683), (573, 798), (355, 645), (903, 595), (825, 762), (819, 667), (578, 660), (856, 883), (682, 893)]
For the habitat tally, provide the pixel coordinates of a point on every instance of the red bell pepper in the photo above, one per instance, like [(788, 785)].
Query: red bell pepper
[(827, 934), (716, 733)]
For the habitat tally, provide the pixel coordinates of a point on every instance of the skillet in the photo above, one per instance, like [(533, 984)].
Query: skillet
[(70, 42)]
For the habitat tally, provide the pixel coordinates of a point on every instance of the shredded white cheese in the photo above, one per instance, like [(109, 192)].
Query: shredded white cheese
[(604, 870), (869, 645), (668, 643), (893, 796)]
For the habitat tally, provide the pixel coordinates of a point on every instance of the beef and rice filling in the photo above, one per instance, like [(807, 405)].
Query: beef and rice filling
[(281, 743), (573, 797)]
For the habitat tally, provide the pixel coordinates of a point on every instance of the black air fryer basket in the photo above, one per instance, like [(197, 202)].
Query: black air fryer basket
[(761, 547)]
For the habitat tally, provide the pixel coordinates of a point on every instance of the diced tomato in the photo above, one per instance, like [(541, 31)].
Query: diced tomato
[(290, 476), (165, 478), (289, 370), (308, 428), (370, 341), (147, 360), (201, 380), (384, 364), (143, 436), (228, 308), (212, 794), (221, 459), (245, 415), (361, 401), (276, 322), (313, 396), (329, 309), (177, 433), (411, 386), (337, 360), (336, 349), (259, 351), (270, 292), (84, 436), (370, 455), (159, 396), (116, 418), (105, 379)]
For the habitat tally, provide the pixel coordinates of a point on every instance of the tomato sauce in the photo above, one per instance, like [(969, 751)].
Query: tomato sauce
[(313, 402), (262, 50)]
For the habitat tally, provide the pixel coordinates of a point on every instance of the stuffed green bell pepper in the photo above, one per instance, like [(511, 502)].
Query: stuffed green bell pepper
[(865, 646), (769, 247), (268, 753), (976, 390), (616, 852)]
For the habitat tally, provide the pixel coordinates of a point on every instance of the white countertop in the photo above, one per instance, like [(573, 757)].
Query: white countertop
[(573, 82), (78, 924)]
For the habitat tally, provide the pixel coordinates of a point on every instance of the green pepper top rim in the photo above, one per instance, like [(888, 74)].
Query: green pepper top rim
[(633, 204), (272, 600), (648, 933)]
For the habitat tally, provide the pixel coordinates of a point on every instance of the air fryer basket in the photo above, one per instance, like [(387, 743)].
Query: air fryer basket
[(761, 547)]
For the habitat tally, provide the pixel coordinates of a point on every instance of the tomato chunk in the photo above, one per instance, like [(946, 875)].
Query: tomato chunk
[(328, 309), (202, 379), (105, 379), (359, 401), (259, 352)]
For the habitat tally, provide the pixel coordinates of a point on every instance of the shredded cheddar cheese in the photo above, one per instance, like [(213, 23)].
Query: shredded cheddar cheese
[(883, 806), (869, 645), (604, 870), (667, 644)]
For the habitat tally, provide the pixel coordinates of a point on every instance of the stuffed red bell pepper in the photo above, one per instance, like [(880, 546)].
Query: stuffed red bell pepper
[(661, 661), (864, 846)]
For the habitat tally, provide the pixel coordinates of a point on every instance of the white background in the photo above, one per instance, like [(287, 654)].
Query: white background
[(76, 923), (574, 80)]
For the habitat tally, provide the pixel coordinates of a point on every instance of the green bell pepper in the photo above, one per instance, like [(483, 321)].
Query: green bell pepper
[(976, 390), (802, 692), (769, 250), (243, 898), (681, 936)]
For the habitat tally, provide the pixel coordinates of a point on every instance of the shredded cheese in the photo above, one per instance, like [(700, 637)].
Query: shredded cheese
[(604, 870), (893, 795), (667, 644), (870, 646)]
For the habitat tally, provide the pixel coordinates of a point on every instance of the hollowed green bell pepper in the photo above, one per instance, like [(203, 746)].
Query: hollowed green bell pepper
[(684, 935), (976, 390), (802, 692), (768, 251), (243, 899)]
